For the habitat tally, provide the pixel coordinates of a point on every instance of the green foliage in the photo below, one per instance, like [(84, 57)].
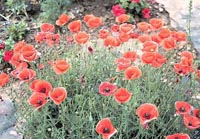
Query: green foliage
[(189, 19), (17, 6), (51, 9), (17, 31)]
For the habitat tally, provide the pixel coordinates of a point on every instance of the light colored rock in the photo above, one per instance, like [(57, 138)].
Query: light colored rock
[(10, 133), (6, 122), (6, 107)]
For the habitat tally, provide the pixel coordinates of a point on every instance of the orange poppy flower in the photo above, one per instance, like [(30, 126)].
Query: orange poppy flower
[(28, 53), (143, 38), (111, 41), (191, 122), (88, 17), (103, 33), (169, 43), (132, 55), (52, 39), (107, 89), (156, 23), (182, 69), (75, 26), (156, 38), (143, 26), (132, 73), (123, 63), (94, 22), (81, 37), (17, 62), (186, 62), (26, 74), (40, 37), (147, 112), (58, 95), (124, 37), (133, 35), (158, 61), (115, 28), (148, 57), (63, 19), (60, 66), (187, 55), (182, 107), (164, 33), (150, 46), (178, 136), (105, 128), (18, 46), (122, 95), (122, 18), (4, 79), (196, 113), (46, 27), (41, 86), (126, 28), (180, 36), (37, 100)]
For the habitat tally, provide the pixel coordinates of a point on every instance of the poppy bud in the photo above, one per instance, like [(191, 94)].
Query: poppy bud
[(2, 45)]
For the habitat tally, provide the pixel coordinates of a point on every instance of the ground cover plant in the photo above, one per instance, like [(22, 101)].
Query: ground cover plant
[(121, 83)]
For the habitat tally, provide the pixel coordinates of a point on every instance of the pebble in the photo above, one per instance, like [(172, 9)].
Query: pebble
[(11, 133), (7, 108)]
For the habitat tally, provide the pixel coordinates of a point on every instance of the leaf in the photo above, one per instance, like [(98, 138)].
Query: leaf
[(132, 6)]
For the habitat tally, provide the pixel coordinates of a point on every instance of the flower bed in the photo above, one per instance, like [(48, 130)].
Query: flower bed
[(123, 83)]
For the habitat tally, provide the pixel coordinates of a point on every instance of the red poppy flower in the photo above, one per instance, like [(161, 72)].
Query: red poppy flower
[(111, 41), (88, 17), (28, 53), (46, 27), (143, 38), (164, 33), (107, 89), (147, 112), (191, 122), (37, 100), (187, 54), (18, 46), (182, 69), (122, 18), (169, 43), (126, 28), (69, 38), (156, 38), (146, 13), (81, 37), (150, 46), (26, 74), (2, 45), (94, 22), (158, 61), (182, 107), (132, 55), (103, 33), (58, 95), (4, 79), (41, 86), (180, 36), (122, 95), (143, 26), (52, 39), (60, 66), (40, 37), (133, 35), (156, 23), (178, 136), (123, 63), (196, 113), (148, 57), (105, 128), (115, 28), (8, 55), (63, 19), (75, 26), (118, 10), (123, 37), (132, 73)]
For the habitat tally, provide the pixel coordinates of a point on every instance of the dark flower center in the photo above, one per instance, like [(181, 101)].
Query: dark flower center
[(182, 109), (147, 115), (43, 90), (106, 130), (176, 138), (39, 102), (26, 78), (189, 124), (198, 114), (107, 90)]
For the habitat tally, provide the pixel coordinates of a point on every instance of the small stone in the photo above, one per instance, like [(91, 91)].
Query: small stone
[(6, 122), (6, 107), (10, 133)]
